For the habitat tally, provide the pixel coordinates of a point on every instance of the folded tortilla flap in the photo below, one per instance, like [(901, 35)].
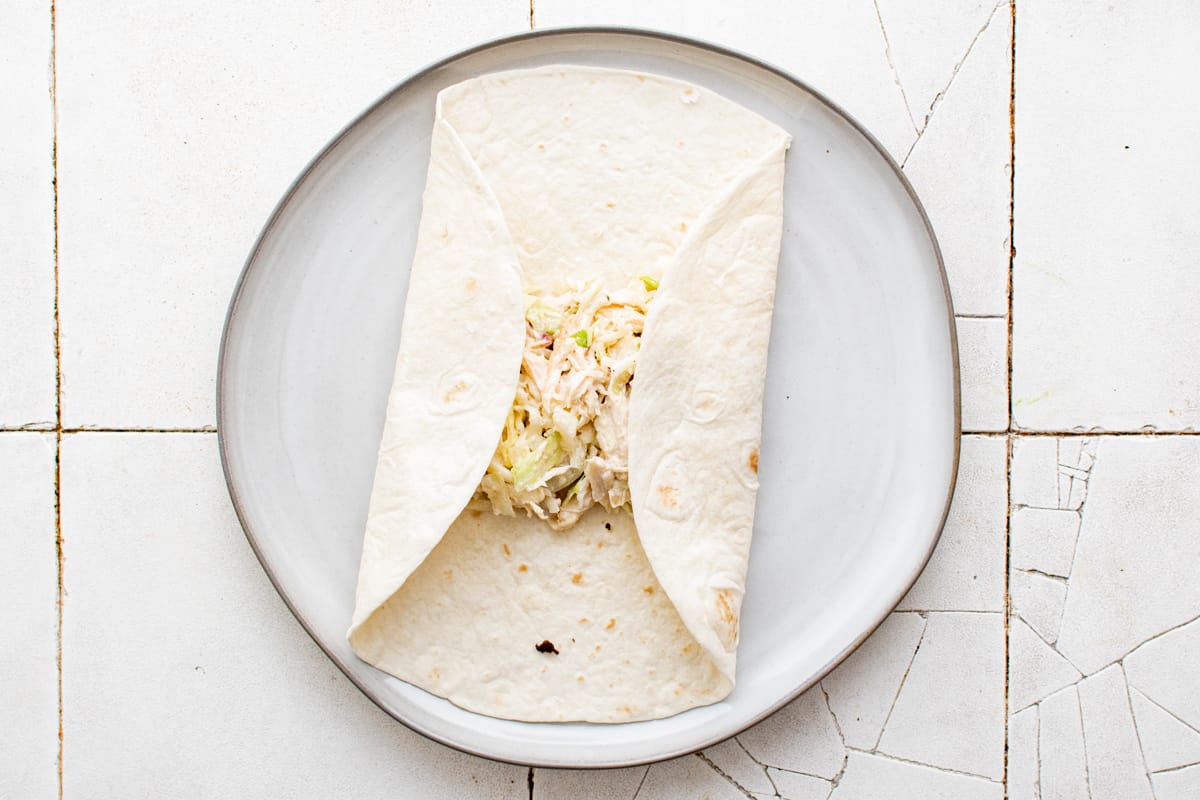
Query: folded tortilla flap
[(694, 430), (456, 372)]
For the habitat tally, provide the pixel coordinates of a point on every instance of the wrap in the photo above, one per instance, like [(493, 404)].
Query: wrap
[(542, 179)]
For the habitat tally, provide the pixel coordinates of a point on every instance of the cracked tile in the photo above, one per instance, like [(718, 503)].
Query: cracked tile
[(983, 364), (1035, 472), (1134, 571), (836, 48), (1167, 742), (864, 686), (732, 759), (1164, 669), (686, 777), (1039, 600), (966, 571), (1180, 784), (1060, 747), (594, 784), (950, 710), (227, 696), (1023, 755), (959, 167), (1114, 757), (220, 106), (1036, 670), (28, 618), (1106, 328), (794, 786), (928, 44), (800, 737), (874, 777), (1044, 540), (27, 393)]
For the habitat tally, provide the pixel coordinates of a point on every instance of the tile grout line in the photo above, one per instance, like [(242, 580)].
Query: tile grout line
[(1008, 450), (58, 417)]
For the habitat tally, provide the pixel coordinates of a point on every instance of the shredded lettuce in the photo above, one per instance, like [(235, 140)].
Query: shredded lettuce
[(563, 448)]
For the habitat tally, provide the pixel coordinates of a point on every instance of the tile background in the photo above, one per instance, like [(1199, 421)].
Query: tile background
[(1048, 651)]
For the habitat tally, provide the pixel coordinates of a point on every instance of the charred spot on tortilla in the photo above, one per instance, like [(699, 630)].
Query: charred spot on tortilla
[(546, 646), (608, 526), (753, 461)]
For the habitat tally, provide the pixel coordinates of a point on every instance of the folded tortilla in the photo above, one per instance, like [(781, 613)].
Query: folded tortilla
[(541, 179)]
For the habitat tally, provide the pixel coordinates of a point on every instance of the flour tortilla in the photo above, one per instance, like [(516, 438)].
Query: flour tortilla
[(538, 177)]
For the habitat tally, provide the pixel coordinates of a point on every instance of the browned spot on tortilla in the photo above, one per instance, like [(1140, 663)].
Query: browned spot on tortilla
[(687, 91), (627, 709), (587, 541), (629, 556), (507, 552), (648, 590), (579, 678), (458, 388), (677, 691), (754, 461), (476, 513), (577, 578), (610, 204), (566, 120), (522, 568), (583, 620), (668, 496), (603, 146), (687, 648), (597, 648), (445, 231), (641, 78), (612, 623), (599, 545), (435, 675), (683, 227), (541, 147), (725, 608), (448, 574), (472, 284)]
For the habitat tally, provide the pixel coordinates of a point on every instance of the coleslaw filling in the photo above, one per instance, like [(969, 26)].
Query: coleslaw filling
[(563, 448)]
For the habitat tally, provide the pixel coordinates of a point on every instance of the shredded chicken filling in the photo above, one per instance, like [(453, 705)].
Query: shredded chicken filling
[(563, 448)]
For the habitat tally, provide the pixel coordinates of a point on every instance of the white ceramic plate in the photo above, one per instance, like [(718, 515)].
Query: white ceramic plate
[(861, 430)]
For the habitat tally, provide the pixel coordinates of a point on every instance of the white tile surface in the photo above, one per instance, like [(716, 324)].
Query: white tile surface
[(604, 784), (801, 737), (1034, 472), (872, 777), (960, 164), (732, 759), (1038, 600), (838, 48), (794, 786), (1043, 539), (983, 373), (1167, 742), (1023, 755), (966, 571), (1183, 784), (1123, 588), (686, 777), (27, 393), (1165, 669), (926, 65), (1106, 327), (950, 710), (1116, 770), (1036, 670), (183, 673), (863, 688), (1061, 748), (208, 113), (28, 618)]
